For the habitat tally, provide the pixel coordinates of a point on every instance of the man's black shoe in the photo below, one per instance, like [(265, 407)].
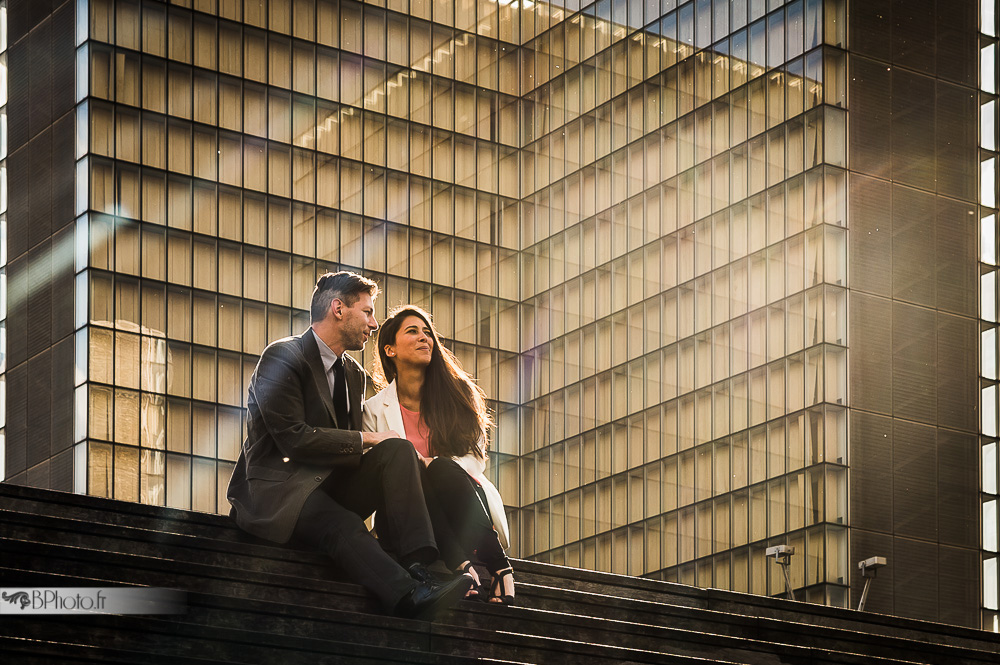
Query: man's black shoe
[(428, 599), (419, 572)]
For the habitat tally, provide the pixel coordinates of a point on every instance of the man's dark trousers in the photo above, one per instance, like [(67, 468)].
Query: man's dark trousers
[(332, 518)]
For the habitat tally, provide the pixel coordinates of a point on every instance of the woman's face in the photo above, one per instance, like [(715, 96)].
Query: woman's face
[(414, 343)]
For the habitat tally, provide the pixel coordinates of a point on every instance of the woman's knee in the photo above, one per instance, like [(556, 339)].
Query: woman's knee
[(445, 465), (444, 468), (446, 477)]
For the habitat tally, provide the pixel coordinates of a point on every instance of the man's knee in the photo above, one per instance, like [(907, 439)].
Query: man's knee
[(394, 447)]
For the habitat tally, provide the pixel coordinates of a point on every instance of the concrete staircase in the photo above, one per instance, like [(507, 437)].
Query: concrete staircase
[(253, 602)]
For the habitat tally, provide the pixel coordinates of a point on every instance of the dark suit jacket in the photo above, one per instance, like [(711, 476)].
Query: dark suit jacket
[(293, 438)]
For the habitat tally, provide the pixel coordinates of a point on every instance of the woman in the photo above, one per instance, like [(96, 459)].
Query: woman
[(427, 397)]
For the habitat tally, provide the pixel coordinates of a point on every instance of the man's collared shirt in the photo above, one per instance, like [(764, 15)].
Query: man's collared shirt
[(328, 357)]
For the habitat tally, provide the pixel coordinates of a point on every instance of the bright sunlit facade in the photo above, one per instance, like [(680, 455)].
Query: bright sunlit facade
[(716, 263), (988, 309)]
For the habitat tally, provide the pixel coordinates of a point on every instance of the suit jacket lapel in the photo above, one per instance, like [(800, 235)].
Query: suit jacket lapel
[(315, 362), (393, 416)]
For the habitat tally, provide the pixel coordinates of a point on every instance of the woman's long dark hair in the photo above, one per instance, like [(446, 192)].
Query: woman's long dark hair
[(452, 405)]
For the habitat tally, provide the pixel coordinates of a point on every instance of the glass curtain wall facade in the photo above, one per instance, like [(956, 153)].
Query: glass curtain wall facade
[(641, 225), (36, 242), (229, 153), (988, 309), (914, 322), (684, 274), (3, 238)]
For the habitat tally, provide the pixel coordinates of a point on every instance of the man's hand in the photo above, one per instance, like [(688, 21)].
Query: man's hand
[(370, 439)]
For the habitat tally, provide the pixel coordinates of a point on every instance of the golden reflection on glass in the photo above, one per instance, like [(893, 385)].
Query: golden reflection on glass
[(634, 237)]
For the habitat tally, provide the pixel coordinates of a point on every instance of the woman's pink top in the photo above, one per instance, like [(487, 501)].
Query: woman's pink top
[(416, 430)]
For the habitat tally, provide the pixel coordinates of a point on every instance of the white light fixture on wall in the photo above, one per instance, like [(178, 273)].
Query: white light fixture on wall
[(869, 569), (783, 557)]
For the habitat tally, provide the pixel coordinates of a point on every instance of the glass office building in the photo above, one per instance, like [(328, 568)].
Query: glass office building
[(726, 268)]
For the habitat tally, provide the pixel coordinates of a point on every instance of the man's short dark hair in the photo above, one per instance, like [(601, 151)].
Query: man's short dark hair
[(345, 285)]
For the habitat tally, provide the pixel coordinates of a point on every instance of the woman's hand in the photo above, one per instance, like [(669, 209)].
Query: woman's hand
[(426, 460)]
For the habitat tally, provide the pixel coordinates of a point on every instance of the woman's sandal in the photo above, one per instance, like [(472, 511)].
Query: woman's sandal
[(497, 587), (477, 590)]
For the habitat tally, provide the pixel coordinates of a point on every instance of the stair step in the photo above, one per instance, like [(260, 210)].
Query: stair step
[(280, 617), (143, 639), (143, 569), (247, 595), (309, 621), (188, 638)]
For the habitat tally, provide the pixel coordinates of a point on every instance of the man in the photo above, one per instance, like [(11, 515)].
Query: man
[(306, 471)]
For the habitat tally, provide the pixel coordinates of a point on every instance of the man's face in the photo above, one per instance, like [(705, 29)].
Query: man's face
[(357, 322)]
